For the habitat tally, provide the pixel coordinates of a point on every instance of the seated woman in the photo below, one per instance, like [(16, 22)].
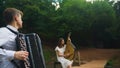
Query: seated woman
[(60, 49)]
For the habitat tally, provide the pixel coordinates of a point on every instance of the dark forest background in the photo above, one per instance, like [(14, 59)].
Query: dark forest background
[(92, 25)]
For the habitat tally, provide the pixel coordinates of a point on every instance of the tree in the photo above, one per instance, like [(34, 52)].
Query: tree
[(90, 24)]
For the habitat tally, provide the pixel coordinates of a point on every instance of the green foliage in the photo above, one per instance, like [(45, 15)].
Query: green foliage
[(89, 23)]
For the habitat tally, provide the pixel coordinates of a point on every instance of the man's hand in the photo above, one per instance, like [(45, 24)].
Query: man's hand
[(21, 55)]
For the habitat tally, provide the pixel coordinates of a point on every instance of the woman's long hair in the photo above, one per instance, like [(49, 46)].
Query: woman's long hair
[(60, 42)]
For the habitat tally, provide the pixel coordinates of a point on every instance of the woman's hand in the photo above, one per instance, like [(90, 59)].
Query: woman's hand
[(66, 55)]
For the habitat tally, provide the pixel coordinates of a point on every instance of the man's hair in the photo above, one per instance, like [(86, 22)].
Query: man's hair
[(9, 13)]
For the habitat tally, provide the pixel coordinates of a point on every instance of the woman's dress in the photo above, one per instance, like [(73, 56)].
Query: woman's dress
[(65, 62)]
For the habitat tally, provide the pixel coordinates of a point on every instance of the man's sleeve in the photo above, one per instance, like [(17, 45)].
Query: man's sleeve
[(6, 54)]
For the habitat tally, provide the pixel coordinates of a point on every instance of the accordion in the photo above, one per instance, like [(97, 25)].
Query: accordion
[(32, 44)]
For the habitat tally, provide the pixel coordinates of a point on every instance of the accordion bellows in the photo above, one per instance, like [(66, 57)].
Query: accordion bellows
[(34, 47)]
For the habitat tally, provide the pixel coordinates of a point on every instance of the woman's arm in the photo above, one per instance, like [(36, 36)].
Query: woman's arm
[(59, 54), (62, 55)]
